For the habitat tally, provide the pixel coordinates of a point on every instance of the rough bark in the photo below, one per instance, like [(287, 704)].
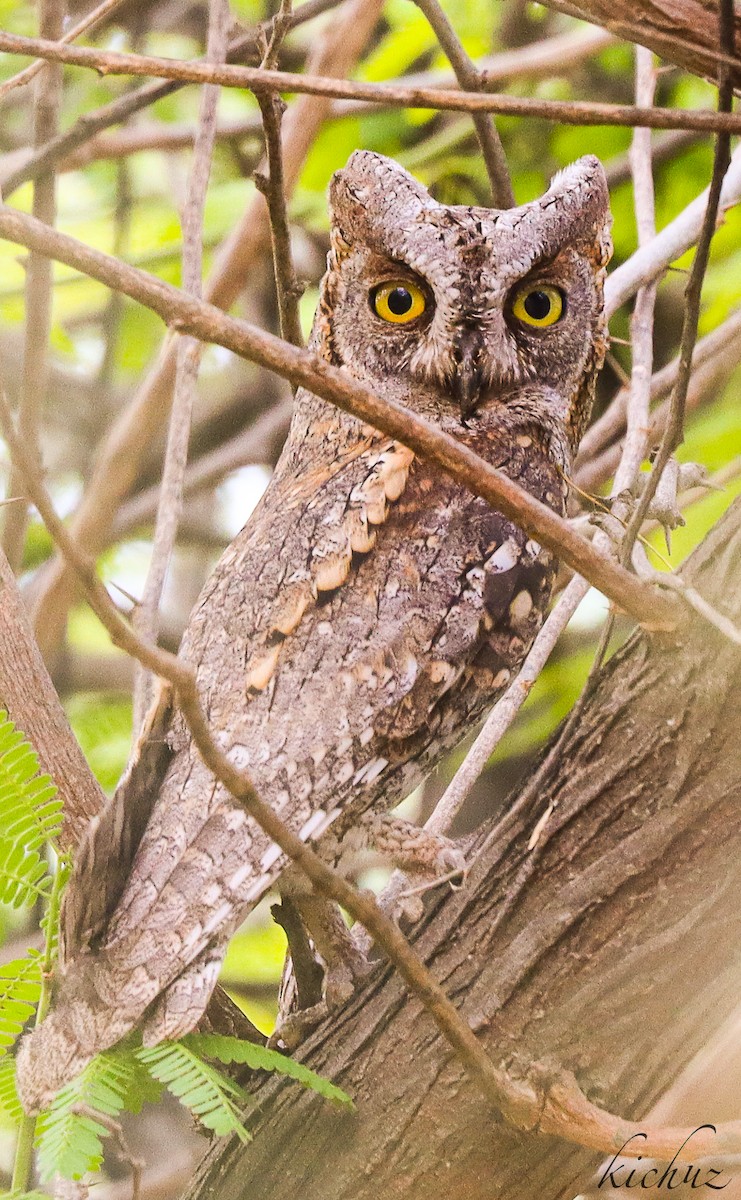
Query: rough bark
[(29, 696), (684, 32), (610, 950)]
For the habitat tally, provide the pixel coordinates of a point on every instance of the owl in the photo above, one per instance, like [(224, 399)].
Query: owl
[(369, 612)]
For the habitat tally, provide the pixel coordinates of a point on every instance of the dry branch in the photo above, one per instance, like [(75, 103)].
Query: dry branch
[(255, 79), (306, 369), (87, 141), (119, 457), (188, 354), (470, 78)]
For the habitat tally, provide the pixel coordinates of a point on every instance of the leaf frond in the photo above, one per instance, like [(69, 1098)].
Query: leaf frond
[(200, 1087), (20, 989), (30, 817), (11, 1113), (260, 1058), (69, 1138)]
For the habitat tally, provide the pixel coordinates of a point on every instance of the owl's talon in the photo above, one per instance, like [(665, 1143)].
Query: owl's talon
[(296, 1026)]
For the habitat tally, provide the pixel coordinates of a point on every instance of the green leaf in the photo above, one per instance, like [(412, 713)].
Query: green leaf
[(30, 817), (70, 1132), (11, 1113), (203, 1090), (260, 1058), (20, 989)]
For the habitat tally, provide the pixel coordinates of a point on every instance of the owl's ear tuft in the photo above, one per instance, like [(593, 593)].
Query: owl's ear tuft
[(368, 190), (580, 195)]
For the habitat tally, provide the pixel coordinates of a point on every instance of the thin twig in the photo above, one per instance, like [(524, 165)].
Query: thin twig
[(117, 111), (696, 601), (674, 431), (723, 343), (470, 80), (307, 369), (272, 107), (672, 242), (506, 709), (120, 456), (571, 112), (89, 21), (135, 1165), (540, 59), (642, 321), (38, 291), (189, 352)]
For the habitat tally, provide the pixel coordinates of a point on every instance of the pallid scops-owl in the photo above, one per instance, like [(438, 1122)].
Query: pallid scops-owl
[(372, 608)]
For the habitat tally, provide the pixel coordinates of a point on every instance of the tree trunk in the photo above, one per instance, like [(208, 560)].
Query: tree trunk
[(685, 32), (610, 950)]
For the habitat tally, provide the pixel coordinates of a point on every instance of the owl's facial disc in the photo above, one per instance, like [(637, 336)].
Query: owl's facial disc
[(458, 311)]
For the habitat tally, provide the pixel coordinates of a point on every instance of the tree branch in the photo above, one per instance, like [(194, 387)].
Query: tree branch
[(188, 352), (469, 78), (253, 78), (306, 369)]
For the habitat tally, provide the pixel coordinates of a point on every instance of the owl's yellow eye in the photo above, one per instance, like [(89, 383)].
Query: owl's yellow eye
[(538, 306), (398, 301)]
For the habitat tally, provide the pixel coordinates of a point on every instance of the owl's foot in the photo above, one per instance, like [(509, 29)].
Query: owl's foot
[(428, 859)]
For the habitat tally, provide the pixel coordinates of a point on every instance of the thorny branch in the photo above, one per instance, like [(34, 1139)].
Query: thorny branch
[(674, 432), (544, 1102)]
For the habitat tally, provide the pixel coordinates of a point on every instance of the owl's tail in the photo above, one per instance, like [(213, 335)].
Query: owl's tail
[(82, 1023), (92, 1012)]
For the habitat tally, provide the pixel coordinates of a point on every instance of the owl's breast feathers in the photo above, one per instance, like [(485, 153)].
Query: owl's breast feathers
[(360, 623)]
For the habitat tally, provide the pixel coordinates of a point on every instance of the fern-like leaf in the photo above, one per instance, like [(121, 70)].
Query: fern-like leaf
[(20, 988), (260, 1058), (11, 1113), (31, 812), (30, 817), (200, 1087), (69, 1137)]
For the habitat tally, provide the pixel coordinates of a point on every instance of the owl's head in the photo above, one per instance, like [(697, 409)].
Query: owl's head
[(459, 311)]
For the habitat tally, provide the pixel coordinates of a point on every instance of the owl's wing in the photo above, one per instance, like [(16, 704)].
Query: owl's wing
[(104, 857), (493, 607)]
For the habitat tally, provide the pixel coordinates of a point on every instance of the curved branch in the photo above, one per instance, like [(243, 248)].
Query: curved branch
[(306, 369)]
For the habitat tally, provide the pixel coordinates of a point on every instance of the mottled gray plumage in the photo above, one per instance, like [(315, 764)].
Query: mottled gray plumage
[(370, 610)]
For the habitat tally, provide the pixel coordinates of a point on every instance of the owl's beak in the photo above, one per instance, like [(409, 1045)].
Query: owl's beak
[(468, 381)]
